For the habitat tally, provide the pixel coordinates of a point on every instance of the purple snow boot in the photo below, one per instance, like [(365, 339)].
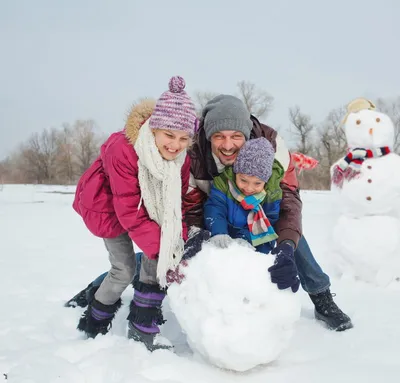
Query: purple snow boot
[(146, 315), (97, 318)]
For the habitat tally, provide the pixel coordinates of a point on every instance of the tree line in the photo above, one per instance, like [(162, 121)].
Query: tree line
[(61, 155)]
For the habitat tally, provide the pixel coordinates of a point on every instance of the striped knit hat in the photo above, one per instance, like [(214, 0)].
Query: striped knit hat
[(174, 109)]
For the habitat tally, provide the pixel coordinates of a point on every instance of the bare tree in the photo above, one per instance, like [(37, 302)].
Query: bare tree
[(391, 107), (86, 143), (258, 101), (201, 99), (10, 171), (66, 164), (38, 156), (332, 138), (3, 173), (302, 129)]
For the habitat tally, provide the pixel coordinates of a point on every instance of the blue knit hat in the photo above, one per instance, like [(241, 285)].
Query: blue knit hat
[(255, 158)]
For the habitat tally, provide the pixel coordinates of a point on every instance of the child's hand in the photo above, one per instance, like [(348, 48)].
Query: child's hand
[(221, 240), (243, 242), (195, 242), (177, 275)]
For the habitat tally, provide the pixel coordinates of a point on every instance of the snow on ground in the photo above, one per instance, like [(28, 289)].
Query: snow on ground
[(47, 255)]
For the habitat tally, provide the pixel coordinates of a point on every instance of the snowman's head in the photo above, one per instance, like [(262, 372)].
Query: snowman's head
[(369, 129)]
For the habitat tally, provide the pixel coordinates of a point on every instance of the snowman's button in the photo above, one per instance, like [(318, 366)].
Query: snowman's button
[(369, 180), (369, 198), (369, 167)]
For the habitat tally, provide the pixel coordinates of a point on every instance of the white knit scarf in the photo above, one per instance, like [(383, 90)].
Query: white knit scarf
[(161, 191)]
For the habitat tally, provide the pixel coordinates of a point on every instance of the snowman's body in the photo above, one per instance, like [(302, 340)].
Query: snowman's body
[(367, 233), (376, 190)]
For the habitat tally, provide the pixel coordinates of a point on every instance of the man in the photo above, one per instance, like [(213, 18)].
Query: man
[(224, 128)]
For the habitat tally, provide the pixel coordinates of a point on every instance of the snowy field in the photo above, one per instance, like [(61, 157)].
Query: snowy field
[(47, 255)]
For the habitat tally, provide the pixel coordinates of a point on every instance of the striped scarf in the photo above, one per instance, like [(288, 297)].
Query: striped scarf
[(261, 230), (349, 166)]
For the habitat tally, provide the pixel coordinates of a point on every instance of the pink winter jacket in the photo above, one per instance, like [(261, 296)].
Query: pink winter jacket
[(108, 193)]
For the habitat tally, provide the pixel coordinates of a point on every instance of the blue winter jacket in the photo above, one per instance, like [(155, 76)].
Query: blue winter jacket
[(224, 215)]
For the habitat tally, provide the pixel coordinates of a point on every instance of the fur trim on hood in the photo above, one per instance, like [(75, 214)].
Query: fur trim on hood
[(137, 116)]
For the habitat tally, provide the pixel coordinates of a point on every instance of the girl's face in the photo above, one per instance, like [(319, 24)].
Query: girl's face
[(249, 185), (171, 142)]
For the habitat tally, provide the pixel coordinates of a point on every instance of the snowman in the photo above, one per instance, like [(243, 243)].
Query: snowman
[(367, 232)]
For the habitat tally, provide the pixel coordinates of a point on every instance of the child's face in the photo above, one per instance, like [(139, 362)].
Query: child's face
[(249, 185), (171, 142)]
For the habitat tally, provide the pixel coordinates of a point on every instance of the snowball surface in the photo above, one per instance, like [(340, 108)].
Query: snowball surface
[(230, 310)]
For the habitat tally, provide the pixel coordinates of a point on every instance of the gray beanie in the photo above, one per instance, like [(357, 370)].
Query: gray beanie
[(255, 158), (226, 112)]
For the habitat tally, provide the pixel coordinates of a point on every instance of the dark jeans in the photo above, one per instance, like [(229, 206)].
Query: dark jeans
[(312, 278)]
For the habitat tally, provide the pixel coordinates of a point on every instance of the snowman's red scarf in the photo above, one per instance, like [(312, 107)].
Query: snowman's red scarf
[(349, 166)]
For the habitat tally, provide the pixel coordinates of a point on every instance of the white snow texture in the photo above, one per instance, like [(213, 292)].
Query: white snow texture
[(47, 255), (230, 310)]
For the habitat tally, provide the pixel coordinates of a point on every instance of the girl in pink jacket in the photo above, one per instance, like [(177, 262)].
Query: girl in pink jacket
[(133, 192)]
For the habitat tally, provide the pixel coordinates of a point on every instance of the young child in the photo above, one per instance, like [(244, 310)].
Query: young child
[(244, 201), (133, 192)]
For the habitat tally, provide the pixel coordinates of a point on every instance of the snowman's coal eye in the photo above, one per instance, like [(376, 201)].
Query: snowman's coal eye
[(358, 122), (378, 119)]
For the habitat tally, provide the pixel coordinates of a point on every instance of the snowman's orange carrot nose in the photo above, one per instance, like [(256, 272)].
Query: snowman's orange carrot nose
[(371, 131)]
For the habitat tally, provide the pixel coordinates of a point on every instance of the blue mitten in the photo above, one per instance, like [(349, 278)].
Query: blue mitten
[(284, 271)]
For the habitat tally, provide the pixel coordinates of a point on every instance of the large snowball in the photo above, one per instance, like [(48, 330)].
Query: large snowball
[(231, 311), (368, 248)]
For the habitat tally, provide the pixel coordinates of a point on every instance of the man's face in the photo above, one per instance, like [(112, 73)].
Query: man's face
[(226, 144)]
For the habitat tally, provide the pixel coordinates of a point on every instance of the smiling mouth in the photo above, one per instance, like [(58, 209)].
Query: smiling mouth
[(228, 154), (171, 151)]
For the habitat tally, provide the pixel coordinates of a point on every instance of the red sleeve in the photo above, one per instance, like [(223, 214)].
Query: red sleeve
[(123, 176), (193, 205), (289, 225), (185, 173), (290, 177)]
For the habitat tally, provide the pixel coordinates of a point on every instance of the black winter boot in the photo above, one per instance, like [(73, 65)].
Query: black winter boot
[(146, 315), (97, 318), (83, 298), (327, 311)]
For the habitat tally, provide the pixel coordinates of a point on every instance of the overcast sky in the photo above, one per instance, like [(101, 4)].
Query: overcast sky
[(76, 59)]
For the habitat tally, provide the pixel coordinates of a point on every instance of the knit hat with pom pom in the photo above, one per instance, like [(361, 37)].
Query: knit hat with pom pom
[(174, 109)]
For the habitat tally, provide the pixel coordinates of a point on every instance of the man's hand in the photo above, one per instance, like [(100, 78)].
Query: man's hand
[(284, 271)]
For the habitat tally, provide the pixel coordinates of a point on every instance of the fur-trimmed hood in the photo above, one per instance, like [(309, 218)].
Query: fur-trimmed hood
[(137, 116)]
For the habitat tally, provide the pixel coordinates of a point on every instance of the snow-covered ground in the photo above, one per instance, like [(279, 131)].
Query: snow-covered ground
[(47, 255)]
